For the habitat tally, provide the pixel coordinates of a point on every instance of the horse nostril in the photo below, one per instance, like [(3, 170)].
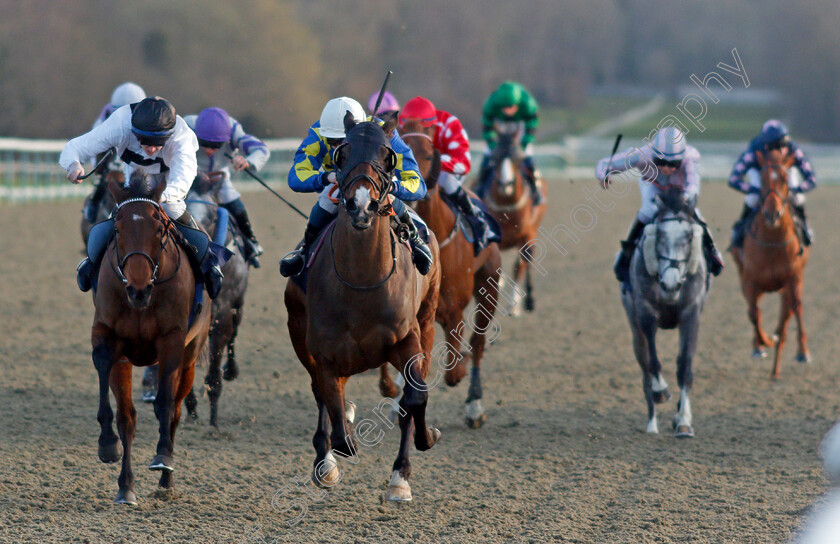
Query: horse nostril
[(350, 205)]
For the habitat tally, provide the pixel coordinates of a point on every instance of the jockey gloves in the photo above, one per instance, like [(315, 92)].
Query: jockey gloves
[(332, 116), (153, 121), (212, 127)]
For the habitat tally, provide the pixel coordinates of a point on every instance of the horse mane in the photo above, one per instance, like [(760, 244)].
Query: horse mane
[(141, 184)]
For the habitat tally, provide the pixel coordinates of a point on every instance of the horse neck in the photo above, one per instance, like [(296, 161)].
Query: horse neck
[(436, 213), (362, 257)]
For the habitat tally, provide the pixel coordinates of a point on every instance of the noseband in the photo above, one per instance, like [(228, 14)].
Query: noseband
[(167, 225), (381, 206)]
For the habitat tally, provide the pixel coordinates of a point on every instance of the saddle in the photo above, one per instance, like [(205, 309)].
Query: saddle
[(470, 225)]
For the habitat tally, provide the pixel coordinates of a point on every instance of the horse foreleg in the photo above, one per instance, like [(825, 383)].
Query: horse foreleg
[(331, 390), (325, 472), (126, 426), (803, 355), (640, 348), (689, 330), (529, 290), (170, 352), (475, 416), (785, 313), (455, 364), (231, 368), (659, 387), (760, 338), (213, 379), (103, 359), (386, 385), (519, 270)]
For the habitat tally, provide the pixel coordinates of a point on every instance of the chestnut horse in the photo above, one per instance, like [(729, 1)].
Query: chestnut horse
[(773, 258), (143, 303), (510, 202), (464, 275), (365, 306)]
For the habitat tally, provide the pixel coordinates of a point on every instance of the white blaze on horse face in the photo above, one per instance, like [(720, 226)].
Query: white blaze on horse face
[(506, 175), (362, 198), (673, 248), (135, 217)]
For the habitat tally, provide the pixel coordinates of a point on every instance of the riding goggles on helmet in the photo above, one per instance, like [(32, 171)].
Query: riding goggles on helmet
[(778, 144), (146, 137), (662, 162)]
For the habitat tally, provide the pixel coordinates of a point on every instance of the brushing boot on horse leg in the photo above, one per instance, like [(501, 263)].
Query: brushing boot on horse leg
[(530, 171), (462, 200), (253, 249), (739, 229), (622, 261), (208, 262)]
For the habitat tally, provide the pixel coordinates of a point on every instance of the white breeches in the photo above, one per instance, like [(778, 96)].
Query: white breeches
[(227, 193), (754, 177), (449, 183), (324, 198)]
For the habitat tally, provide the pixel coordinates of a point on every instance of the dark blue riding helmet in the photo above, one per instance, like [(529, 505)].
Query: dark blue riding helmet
[(774, 132), (153, 120)]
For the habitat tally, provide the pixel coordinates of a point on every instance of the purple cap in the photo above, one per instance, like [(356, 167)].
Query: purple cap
[(213, 125), (389, 103)]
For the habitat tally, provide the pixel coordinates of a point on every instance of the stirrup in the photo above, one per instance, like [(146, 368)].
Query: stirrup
[(83, 272), (292, 263)]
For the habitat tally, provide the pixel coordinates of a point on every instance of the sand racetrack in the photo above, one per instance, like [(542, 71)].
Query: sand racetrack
[(563, 456)]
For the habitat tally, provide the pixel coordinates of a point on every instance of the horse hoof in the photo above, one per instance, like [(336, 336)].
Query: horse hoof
[(759, 354), (661, 396), (350, 411), (109, 453), (231, 372), (435, 432), (684, 431), (803, 358), (477, 422), (326, 473), (162, 462), (398, 489), (529, 304), (126, 497), (148, 396)]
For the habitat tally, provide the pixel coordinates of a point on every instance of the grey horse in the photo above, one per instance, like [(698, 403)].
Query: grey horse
[(669, 283), (226, 307)]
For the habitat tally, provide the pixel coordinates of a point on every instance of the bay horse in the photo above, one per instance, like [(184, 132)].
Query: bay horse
[(365, 306), (669, 284), (226, 308), (773, 259), (510, 202), (464, 275), (143, 302)]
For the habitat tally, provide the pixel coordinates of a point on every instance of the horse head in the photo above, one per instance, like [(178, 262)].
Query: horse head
[(507, 157), (141, 231), (774, 184), (672, 249), (419, 139), (365, 162)]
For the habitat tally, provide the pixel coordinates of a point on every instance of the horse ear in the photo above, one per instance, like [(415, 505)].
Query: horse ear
[(349, 122), (158, 190), (391, 120), (116, 186), (341, 155), (790, 159), (759, 157), (388, 158)]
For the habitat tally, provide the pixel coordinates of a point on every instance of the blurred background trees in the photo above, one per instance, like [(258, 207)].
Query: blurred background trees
[(272, 64)]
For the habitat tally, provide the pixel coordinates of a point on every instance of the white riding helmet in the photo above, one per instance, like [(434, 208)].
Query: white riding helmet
[(127, 93), (332, 117), (669, 144)]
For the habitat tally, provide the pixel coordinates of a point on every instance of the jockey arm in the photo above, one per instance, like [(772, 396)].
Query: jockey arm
[(410, 185), (809, 178), (632, 158), (254, 149), (305, 176), (746, 161), (455, 147), (179, 154), (110, 133)]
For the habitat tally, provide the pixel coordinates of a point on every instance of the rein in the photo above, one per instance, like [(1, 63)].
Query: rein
[(786, 204), (118, 270), (383, 206)]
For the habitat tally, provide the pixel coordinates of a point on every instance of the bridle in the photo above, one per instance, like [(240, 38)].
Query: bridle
[(673, 263), (166, 225), (381, 205)]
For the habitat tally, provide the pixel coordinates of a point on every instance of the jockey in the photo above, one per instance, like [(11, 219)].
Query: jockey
[(389, 104), (316, 151), (774, 135), (150, 137), (450, 139), (667, 163), (124, 94), (510, 109), (219, 135)]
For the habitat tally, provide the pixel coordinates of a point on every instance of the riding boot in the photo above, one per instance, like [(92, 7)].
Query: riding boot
[(208, 262), (485, 176), (293, 263), (622, 260), (805, 232), (422, 255), (91, 209), (714, 259), (253, 249), (99, 237), (530, 171), (462, 200), (739, 229)]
